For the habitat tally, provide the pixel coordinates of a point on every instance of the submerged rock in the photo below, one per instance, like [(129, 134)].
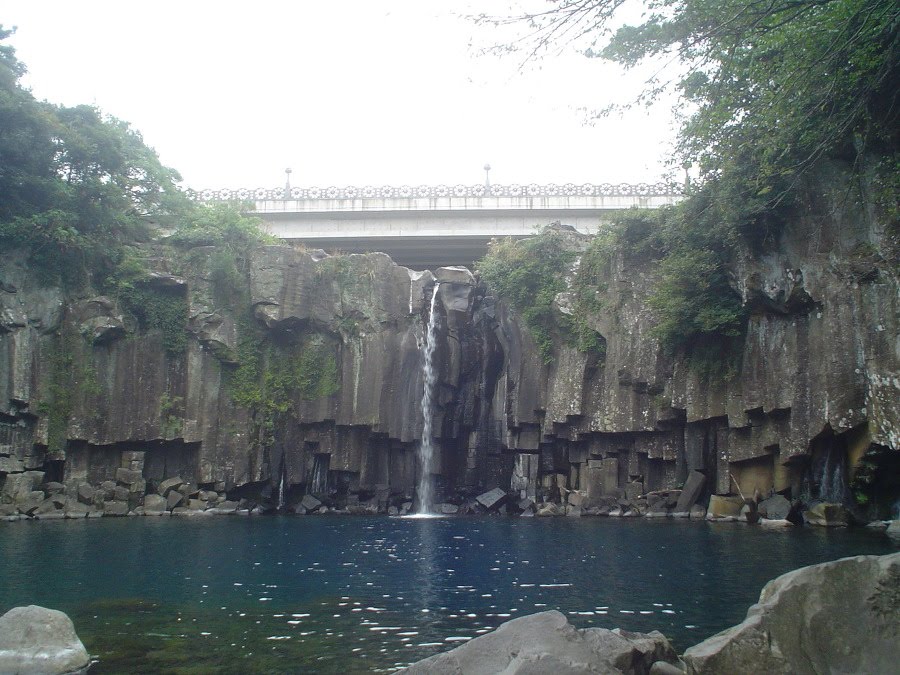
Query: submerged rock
[(36, 640), (825, 514), (547, 643), (837, 617)]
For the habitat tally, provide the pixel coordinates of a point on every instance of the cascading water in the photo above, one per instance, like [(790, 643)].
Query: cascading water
[(281, 489), (832, 479), (426, 447)]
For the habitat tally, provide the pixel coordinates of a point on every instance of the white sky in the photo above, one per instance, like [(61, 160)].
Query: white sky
[(345, 93)]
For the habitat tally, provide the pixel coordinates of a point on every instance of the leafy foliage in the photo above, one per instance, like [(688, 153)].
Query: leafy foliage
[(270, 377), (529, 274), (157, 309), (76, 185)]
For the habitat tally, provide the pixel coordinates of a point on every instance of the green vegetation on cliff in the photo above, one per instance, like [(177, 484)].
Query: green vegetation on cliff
[(529, 274), (768, 92)]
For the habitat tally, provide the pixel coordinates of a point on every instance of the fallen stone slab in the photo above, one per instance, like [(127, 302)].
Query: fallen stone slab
[(836, 617), (492, 498), (693, 488), (547, 643), (775, 507), (36, 640)]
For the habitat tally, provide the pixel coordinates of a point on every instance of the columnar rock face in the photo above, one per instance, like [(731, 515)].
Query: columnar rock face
[(308, 380)]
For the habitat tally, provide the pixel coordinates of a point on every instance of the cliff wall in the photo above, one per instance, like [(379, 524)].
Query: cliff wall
[(305, 377)]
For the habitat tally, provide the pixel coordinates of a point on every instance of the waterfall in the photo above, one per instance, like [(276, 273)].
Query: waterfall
[(281, 490), (426, 447), (321, 464), (832, 481)]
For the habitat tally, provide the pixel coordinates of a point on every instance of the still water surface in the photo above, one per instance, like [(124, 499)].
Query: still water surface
[(356, 594)]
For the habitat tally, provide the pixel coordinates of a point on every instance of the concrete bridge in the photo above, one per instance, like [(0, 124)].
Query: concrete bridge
[(429, 226)]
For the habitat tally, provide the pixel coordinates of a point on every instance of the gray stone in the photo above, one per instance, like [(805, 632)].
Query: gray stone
[(825, 514), (576, 498), (39, 640), (698, 512), (546, 643), (11, 464), (690, 493), (664, 668), (197, 504), (54, 488), (120, 493), (115, 508), (455, 275), (225, 508), (154, 503), (721, 506), (127, 476), (837, 617), (86, 493), (168, 485), (491, 499), (310, 503), (634, 490), (173, 499), (449, 509), (550, 509), (893, 530), (775, 507)]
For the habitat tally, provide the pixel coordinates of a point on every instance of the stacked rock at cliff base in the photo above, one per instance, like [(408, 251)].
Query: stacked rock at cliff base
[(547, 643), (836, 617), (39, 641)]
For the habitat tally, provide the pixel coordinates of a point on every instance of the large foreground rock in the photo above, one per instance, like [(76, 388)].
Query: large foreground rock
[(39, 640), (548, 643), (837, 617)]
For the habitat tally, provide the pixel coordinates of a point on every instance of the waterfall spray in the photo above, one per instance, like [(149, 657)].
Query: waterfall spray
[(426, 448)]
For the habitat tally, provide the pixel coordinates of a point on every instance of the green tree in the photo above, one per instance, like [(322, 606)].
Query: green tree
[(76, 185)]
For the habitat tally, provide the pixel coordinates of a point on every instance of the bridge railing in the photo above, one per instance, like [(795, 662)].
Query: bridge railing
[(659, 189)]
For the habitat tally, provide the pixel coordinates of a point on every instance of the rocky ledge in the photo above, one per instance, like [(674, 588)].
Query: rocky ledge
[(836, 617)]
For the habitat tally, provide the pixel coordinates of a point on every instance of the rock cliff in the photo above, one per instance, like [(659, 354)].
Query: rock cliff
[(304, 377)]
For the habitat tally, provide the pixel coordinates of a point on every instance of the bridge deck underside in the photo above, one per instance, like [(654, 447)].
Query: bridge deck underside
[(418, 253)]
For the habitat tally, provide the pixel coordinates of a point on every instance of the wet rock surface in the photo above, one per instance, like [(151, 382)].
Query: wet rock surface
[(548, 643), (39, 641)]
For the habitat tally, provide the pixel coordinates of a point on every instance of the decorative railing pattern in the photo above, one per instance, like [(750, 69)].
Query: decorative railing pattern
[(437, 191)]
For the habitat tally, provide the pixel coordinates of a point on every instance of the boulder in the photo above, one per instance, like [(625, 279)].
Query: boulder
[(491, 499), (86, 493), (128, 476), (837, 617), (455, 275), (54, 488), (550, 509), (154, 504), (115, 508), (633, 491), (826, 514), (893, 530), (775, 507), (547, 643), (722, 507), (698, 512), (690, 493), (169, 484), (120, 493), (449, 509), (39, 640), (309, 503), (173, 499), (225, 508)]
